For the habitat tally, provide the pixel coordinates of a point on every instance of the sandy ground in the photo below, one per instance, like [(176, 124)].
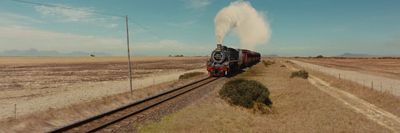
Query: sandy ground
[(75, 94), (374, 81), (76, 60), (55, 72), (381, 67), (45, 121), (298, 106), (374, 113), (40, 83)]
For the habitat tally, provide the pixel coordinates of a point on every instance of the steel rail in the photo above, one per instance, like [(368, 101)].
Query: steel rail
[(131, 105)]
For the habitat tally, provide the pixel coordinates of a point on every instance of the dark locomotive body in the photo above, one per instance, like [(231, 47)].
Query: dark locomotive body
[(225, 61)]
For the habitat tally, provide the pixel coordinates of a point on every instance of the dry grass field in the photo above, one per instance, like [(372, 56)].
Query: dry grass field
[(40, 84), (385, 98), (367, 79), (50, 72), (298, 106), (44, 121), (52, 91), (382, 67), (73, 60)]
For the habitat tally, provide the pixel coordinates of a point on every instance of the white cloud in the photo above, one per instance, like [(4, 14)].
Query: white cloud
[(66, 12), (16, 19), (197, 4), (22, 38), (25, 37)]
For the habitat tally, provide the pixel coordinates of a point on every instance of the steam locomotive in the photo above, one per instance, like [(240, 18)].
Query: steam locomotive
[(225, 61)]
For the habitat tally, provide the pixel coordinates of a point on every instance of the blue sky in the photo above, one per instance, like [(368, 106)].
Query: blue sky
[(304, 28)]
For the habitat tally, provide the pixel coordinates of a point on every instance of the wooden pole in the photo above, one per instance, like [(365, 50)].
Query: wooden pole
[(372, 84), (129, 53), (15, 111)]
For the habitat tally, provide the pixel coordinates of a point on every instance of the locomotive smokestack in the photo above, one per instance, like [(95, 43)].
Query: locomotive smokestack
[(219, 46)]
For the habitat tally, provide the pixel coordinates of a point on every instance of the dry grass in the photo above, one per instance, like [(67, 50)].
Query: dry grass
[(268, 62), (384, 67), (298, 107), (72, 60), (301, 74), (384, 100), (46, 120), (41, 85), (190, 75), (55, 72)]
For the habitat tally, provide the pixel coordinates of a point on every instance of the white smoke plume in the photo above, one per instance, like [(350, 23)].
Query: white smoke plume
[(247, 23)]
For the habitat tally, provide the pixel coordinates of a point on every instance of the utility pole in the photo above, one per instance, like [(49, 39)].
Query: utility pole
[(129, 53)]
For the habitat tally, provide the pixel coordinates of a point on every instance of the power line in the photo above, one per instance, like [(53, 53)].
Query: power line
[(92, 11), (145, 29), (69, 8)]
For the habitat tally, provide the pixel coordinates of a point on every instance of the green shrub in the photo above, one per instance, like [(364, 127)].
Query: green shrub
[(268, 62), (245, 93), (179, 55), (302, 74), (190, 74)]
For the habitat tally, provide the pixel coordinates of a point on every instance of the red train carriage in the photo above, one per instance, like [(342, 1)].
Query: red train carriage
[(248, 58)]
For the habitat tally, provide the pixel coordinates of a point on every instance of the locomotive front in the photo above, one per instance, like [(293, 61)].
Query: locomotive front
[(223, 61), (215, 66)]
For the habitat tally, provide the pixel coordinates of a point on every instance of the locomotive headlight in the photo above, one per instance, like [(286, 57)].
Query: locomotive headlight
[(218, 56)]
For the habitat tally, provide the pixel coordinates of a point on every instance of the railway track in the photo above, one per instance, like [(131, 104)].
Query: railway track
[(111, 117)]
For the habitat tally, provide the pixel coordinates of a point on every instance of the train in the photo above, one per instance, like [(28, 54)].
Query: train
[(225, 61)]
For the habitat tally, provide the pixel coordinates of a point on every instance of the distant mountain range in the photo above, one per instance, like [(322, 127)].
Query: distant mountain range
[(356, 55), (365, 55), (35, 52), (271, 55)]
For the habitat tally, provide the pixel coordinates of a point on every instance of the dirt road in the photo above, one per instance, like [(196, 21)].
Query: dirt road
[(378, 115)]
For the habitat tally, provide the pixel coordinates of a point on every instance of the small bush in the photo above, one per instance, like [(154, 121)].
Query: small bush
[(190, 75), (246, 93), (319, 56), (268, 62), (302, 74), (283, 65)]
